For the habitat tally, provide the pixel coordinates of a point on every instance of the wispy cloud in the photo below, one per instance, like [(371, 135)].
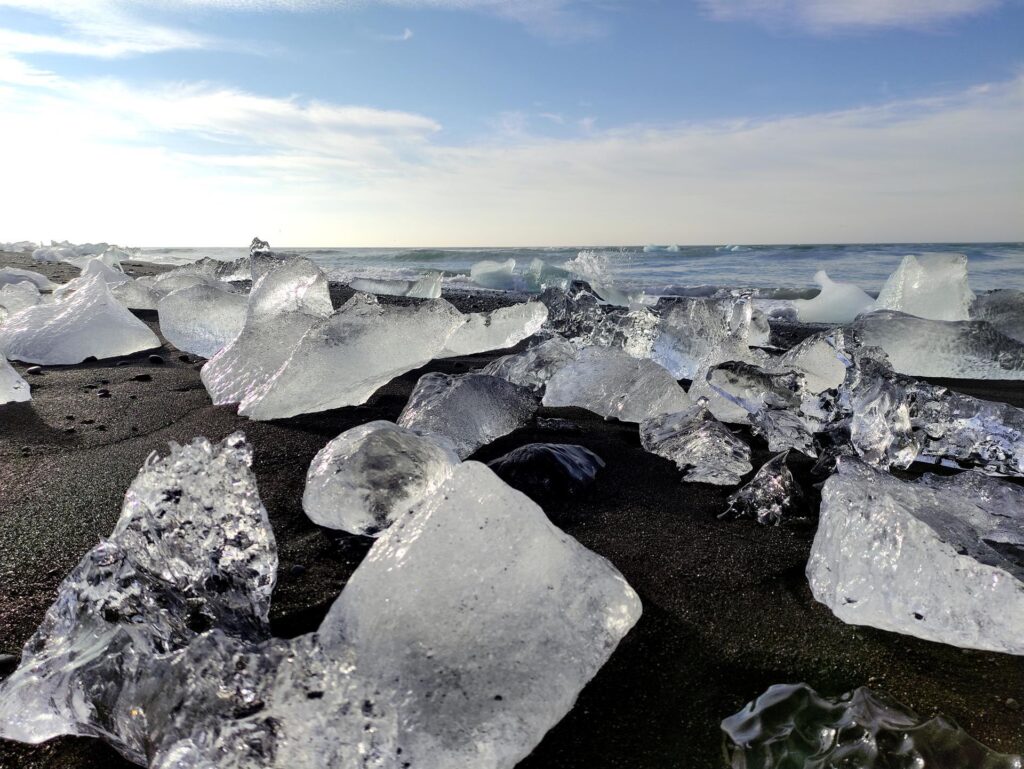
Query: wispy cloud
[(402, 37), (830, 15)]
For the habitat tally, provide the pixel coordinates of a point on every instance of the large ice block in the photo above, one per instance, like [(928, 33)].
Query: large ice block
[(203, 319), (932, 286), (837, 302), (533, 368), (701, 446), (495, 330), (13, 389)]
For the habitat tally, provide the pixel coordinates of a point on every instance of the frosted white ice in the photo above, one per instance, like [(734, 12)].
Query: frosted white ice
[(495, 330), (13, 389), (16, 275), (203, 319), (837, 302), (932, 286)]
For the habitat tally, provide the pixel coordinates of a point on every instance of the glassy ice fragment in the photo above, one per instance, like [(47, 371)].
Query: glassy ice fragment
[(203, 319), (548, 473), (533, 368), (495, 330), (578, 315), (932, 286), (427, 287), (702, 447), (1004, 309), (837, 302), (15, 297), (93, 269), (13, 389), (769, 495), (496, 275), (363, 480), (471, 410), (136, 294), (16, 275)]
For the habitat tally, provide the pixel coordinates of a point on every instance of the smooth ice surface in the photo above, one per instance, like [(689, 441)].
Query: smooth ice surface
[(136, 294), (495, 330), (769, 495), (610, 383), (493, 274), (932, 286), (533, 368), (16, 275), (471, 410), (1004, 309), (363, 480), (837, 302), (925, 559), (518, 618), (15, 297), (548, 472), (426, 287), (89, 323), (791, 726), (202, 319), (13, 389), (94, 268), (702, 447)]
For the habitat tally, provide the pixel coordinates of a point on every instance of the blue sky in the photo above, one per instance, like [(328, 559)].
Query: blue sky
[(511, 122)]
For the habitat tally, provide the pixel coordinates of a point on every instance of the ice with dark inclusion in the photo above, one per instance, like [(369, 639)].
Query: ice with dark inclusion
[(364, 479), (937, 559), (13, 389), (769, 495), (549, 473), (470, 410), (533, 367), (791, 726), (203, 319), (1004, 310), (701, 446)]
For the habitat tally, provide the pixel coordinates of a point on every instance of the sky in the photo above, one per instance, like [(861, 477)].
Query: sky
[(511, 122)]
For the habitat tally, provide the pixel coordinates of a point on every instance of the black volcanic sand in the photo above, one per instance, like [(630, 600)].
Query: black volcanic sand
[(727, 609)]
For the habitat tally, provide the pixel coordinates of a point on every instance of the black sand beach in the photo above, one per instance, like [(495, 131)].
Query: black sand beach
[(727, 609)]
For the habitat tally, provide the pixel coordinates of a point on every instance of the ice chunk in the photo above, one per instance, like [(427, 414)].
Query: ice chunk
[(792, 726), (259, 247), (367, 477), (578, 315), (63, 250), (18, 246), (427, 287), (533, 368), (92, 268), (912, 559), (89, 323), (136, 294), (15, 275), (495, 330), (292, 285), (769, 495), (932, 286), (110, 257), (880, 426), (1004, 309), (542, 275), (15, 297), (610, 383), (13, 389), (548, 473), (516, 619), (837, 302), (497, 275), (471, 410), (702, 447), (822, 359), (202, 319)]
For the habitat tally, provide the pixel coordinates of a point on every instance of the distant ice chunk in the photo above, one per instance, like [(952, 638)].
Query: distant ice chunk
[(427, 287), (769, 495), (471, 410), (63, 250), (837, 302), (496, 275), (610, 383), (1004, 309), (495, 330), (366, 478), (925, 559), (13, 389), (542, 275), (932, 286), (16, 275), (203, 319), (702, 447), (517, 619), (533, 368), (111, 257), (549, 473), (15, 297), (19, 246), (89, 323)]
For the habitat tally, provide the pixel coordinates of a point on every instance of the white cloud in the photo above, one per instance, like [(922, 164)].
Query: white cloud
[(403, 37), (828, 15)]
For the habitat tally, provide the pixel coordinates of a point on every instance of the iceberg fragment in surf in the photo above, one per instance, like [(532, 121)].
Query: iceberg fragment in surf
[(366, 478), (768, 496), (495, 275), (932, 286), (89, 323), (13, 389), (837, 302), (533, 368), (471, 410), (203, 319), (495, 330), (701, 446), (941, 559), (427, 287)]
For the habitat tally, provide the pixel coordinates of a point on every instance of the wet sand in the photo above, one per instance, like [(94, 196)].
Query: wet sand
[(727, 609)]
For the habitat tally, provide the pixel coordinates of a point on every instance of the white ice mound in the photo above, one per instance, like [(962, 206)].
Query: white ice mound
[(15, 275), (471, 410), (427, 287), (202, 319), (533, 368), (932, 286), (89, 323), (496, 275), (495, 330), (15, 297), (13, 389), (702, 447), (837, 302), (63, 250), (366, 478), (518, 617), (941, 559), (610, 383)]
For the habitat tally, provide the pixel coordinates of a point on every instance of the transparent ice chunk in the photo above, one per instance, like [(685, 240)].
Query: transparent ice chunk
[(496, 275), (495, 330), (203, 319), (837, 302), (932, 286), (533, 368), (15, 297), (136, 294), (16, 275), (426, 287), (702, 447), (13, 389), (578, 315), (769, 495)]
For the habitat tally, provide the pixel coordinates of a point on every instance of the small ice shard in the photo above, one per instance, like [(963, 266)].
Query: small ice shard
[(909, 558), (543, 275), (496, 330), (935, 348), (578, 315), (932, 286), (533, 368), (110, 257), (791, 726), (89, 323), (366, 478), (426, 287), (702, 447), (769, 495), (610, 383), (15, 297), (136, 294), (496, 275), (203, 319), (1004, 309), (515, 619), (548, 473), (16, 275), (13, 389), (837, 302), (471, 410)]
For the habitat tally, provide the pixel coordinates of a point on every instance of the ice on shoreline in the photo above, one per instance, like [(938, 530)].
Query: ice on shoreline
[(931, 286), (701, 446), (13, 389), (203, 319), (837, 302)]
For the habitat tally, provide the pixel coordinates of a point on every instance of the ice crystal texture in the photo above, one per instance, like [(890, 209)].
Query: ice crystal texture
[(13, 389), (578, 315), (426, 287), (495, 330), (548, 473), (701, 446), (202, 319), (837, 302), (610, 383), (89, 323), (924, 559), (367, 477), (791, 726), (932, 286), (471, 410), (533, 368), (1003, 309), (769, 495)]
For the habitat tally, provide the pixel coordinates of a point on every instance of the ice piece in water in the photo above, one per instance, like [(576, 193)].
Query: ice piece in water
[(545, 614), (610, 383), (13, 389), (533, 368), (548, 473), (1004, 309), (496, 275), (89, 323), (837, 302), (543, 275), (769, 495), (471, 410), (702, 447), (203, 319), (495, 330), (932, 286), (16, 275), (427, 287), (136, 294), (909, 558), (792, 726), (15, 297), (367, 477)]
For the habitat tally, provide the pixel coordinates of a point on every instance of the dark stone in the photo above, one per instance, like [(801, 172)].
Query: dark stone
[(103, 392), (34, 370), (8, 663), (143, 378), (157, 359), (551, 474)]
